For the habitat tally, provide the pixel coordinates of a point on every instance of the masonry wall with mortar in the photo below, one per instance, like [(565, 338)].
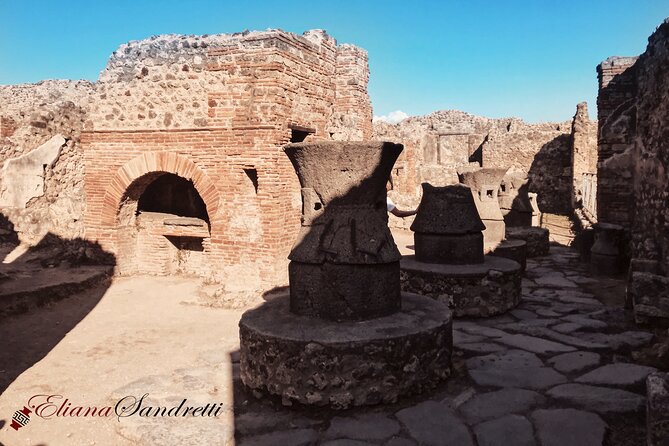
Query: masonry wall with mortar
[(30, 114), (584, 161), (616, 115), (440, 144), (217, 110), (650, 153)]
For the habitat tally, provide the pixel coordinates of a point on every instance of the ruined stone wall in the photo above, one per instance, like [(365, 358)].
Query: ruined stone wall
[(543, 152), (616, 114), (30, 115), (215, 110), (584, 162), (650, 235), (436, 146), (351, 120)]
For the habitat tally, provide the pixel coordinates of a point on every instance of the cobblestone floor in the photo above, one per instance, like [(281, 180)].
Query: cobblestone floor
[(564, 368), (555, 371)]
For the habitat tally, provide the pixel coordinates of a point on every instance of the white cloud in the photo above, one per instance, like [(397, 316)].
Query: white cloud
[(392, 118)]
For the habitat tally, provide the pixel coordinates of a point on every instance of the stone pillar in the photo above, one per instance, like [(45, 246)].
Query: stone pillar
[(447, 228), (536, 212), (605, 252), (338, 270), (340, 338), (484, 184), (514, 200)]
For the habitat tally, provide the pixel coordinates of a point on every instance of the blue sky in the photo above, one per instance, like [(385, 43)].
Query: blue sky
[(530, 59)]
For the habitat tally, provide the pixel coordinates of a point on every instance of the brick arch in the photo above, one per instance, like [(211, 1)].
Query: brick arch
[(157, 162)]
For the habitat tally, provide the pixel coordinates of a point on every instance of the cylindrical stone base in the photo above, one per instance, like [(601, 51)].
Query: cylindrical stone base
[(322, 363), (512, 249), (480, 290), (514, 217), (538, 243), (604, 265), (344, 292), (451, 249)]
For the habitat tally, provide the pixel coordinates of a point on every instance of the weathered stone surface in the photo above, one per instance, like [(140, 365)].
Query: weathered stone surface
[(343, 292), (341, 364), (560, 427), (344, 226), (346, 442), (620, 341), (544, 312), (433, 424), (657, 409), (605, 253), (449, 249), (253, 423), (598, 399), (447, 210), (620, 374), (501, 402), (523, 314), (400, 441), (535, 328), (574, 361), (460, 337), (555, 279), (22, 178), (509, 430), (649, 295), (477, 290), (507, 360), (533, 344), (479, 347), (585, 321), (296, 437), (484, 184), (567, 327), (537, 239), (514, 200), (484, 331), (515, 368), (447, 226), (512, 249), (529, 378), (373, 426)]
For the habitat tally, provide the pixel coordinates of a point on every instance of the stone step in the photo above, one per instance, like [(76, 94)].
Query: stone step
[(23, 294)]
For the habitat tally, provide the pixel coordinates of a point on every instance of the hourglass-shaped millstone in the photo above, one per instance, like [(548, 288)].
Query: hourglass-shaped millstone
[(514, 200), (484, 184), (345, 264), (447, 228)]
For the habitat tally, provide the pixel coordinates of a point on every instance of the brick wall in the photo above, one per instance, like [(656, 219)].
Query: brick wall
[(650, 229), (217, 110), (616, 114)]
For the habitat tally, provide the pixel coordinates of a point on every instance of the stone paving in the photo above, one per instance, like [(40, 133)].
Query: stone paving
[(557, 370), (566, 367)]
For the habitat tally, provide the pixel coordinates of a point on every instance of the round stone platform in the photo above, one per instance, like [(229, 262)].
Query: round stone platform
[(513, 249), (537, 240), (342, 364), (477, 290)]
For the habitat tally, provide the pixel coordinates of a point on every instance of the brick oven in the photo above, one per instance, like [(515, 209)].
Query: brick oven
[(184, 171)]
